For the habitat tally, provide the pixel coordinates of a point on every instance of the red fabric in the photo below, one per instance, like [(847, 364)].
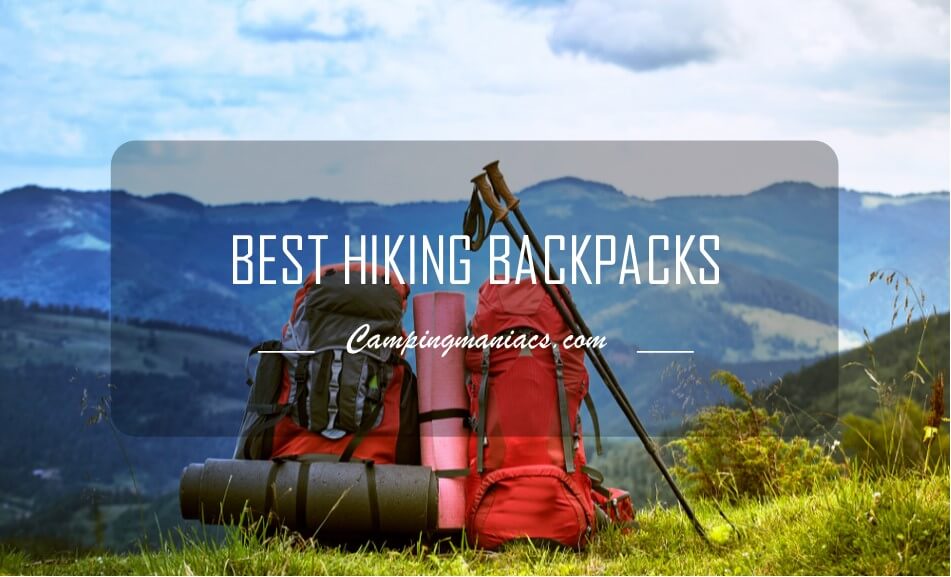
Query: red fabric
[(379, 445), (524, 490), (618, 506), (532, 501)]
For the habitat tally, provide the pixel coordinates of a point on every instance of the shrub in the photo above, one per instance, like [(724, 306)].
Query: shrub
[(734, 452)]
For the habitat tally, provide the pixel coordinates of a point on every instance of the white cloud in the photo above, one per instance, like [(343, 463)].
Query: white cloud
[(849, 340), (831, 43), (642, 35)]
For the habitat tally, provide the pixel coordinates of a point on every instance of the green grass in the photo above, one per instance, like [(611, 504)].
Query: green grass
[(844, 529)]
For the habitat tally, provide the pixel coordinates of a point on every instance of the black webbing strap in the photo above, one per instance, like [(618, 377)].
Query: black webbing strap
[(301, 373), (596, 475), (266, 408), (566, 436), (451, 473), (262, 426), (336, 366), (481, 439), (308, 458), (247, 371), (589, 403), (303, 478), (597, 480), (372, 496), (440, 414), (446, 414), (473, 222), (407, 439), (369, 419)]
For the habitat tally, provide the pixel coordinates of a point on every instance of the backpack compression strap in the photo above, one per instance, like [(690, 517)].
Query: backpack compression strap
[(336, 366), (566, 436), (438, 415), (376, 402), (589, 403), (482, 440)]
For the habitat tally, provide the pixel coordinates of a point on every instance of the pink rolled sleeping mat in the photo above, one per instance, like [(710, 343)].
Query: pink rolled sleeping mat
[(443, 401)]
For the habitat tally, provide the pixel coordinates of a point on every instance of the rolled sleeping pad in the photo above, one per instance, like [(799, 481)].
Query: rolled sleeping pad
[(443, 401), (338, 499)]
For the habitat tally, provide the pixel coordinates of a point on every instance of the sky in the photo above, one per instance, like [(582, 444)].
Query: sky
[(870, 78)]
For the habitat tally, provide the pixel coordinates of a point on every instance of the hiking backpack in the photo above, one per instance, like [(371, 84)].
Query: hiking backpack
[(311, 398), (528, 473)]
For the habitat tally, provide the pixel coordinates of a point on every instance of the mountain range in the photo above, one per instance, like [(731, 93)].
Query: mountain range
[(794, 266)]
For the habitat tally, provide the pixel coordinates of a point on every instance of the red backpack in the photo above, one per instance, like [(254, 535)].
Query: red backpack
[(326, 401), (528, 474)]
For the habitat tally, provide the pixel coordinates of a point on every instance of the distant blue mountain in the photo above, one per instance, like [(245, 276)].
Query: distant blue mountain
[(794, 260)]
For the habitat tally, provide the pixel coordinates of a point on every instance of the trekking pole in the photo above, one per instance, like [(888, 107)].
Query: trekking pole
[(573, 319)]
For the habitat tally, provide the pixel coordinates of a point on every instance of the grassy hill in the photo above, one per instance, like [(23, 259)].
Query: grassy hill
[(805, 397), (841, 381), (894, 526)]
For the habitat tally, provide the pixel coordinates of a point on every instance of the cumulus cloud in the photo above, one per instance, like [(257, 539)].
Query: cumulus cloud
[(831, 37), (640, 35)]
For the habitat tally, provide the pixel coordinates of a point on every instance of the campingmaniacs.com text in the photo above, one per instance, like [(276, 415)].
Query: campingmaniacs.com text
[(361, 339)]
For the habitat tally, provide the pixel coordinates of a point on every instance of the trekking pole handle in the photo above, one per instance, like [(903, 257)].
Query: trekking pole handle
[(499, 212), (498, 183)]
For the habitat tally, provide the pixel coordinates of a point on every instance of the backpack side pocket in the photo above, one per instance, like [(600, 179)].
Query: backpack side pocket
[(256, 436)]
